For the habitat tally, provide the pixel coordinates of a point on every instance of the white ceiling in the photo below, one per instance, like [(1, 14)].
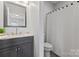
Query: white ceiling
[(54, 2)]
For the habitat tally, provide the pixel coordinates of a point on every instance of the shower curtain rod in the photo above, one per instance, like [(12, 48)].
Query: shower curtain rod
[(52, 11)]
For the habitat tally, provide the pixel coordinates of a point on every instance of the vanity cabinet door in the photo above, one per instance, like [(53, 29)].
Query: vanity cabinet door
[(9, 52), (25, 50)]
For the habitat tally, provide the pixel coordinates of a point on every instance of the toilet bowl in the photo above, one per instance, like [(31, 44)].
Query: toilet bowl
[(47, 49)]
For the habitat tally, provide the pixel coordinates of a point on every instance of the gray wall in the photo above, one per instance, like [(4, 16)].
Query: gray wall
[(1, 14)]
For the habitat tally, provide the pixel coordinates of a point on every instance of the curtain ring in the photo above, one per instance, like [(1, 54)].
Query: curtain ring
[(48, 13), (62, 7), (58, 8), (55, 9), (52, 10), (71, 3), (66, 5)]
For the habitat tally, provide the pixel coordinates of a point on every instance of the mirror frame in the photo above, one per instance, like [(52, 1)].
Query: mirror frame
[(5, 14)]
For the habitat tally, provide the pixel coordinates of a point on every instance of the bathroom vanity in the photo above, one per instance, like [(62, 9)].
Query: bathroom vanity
[(17, 47)]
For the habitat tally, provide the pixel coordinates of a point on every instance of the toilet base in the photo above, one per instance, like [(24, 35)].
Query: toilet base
[(47, 54)]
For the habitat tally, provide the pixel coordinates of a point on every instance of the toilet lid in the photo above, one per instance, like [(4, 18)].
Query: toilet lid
[(47, 45)]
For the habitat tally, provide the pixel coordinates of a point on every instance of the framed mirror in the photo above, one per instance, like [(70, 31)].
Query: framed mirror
[(14, 15)]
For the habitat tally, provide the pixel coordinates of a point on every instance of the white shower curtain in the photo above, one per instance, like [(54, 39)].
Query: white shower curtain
[(63, 30)]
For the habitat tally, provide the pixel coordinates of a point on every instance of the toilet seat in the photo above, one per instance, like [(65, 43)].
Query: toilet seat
[(47, 45)]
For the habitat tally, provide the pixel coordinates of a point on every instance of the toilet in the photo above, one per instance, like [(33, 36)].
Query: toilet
[(47, 49)]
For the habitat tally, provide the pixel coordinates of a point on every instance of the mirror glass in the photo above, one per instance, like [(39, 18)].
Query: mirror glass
[(14, 15)]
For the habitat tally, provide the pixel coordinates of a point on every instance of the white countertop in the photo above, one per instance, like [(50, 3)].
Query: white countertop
[(14, 36)]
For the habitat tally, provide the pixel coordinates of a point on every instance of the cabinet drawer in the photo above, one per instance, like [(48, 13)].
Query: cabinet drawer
[(24, 39)]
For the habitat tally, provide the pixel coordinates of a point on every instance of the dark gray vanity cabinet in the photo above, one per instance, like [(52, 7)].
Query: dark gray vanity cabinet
[(8, 52), (17, 47)]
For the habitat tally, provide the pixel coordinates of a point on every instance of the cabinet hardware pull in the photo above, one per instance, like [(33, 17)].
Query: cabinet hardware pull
[(18, 48)]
